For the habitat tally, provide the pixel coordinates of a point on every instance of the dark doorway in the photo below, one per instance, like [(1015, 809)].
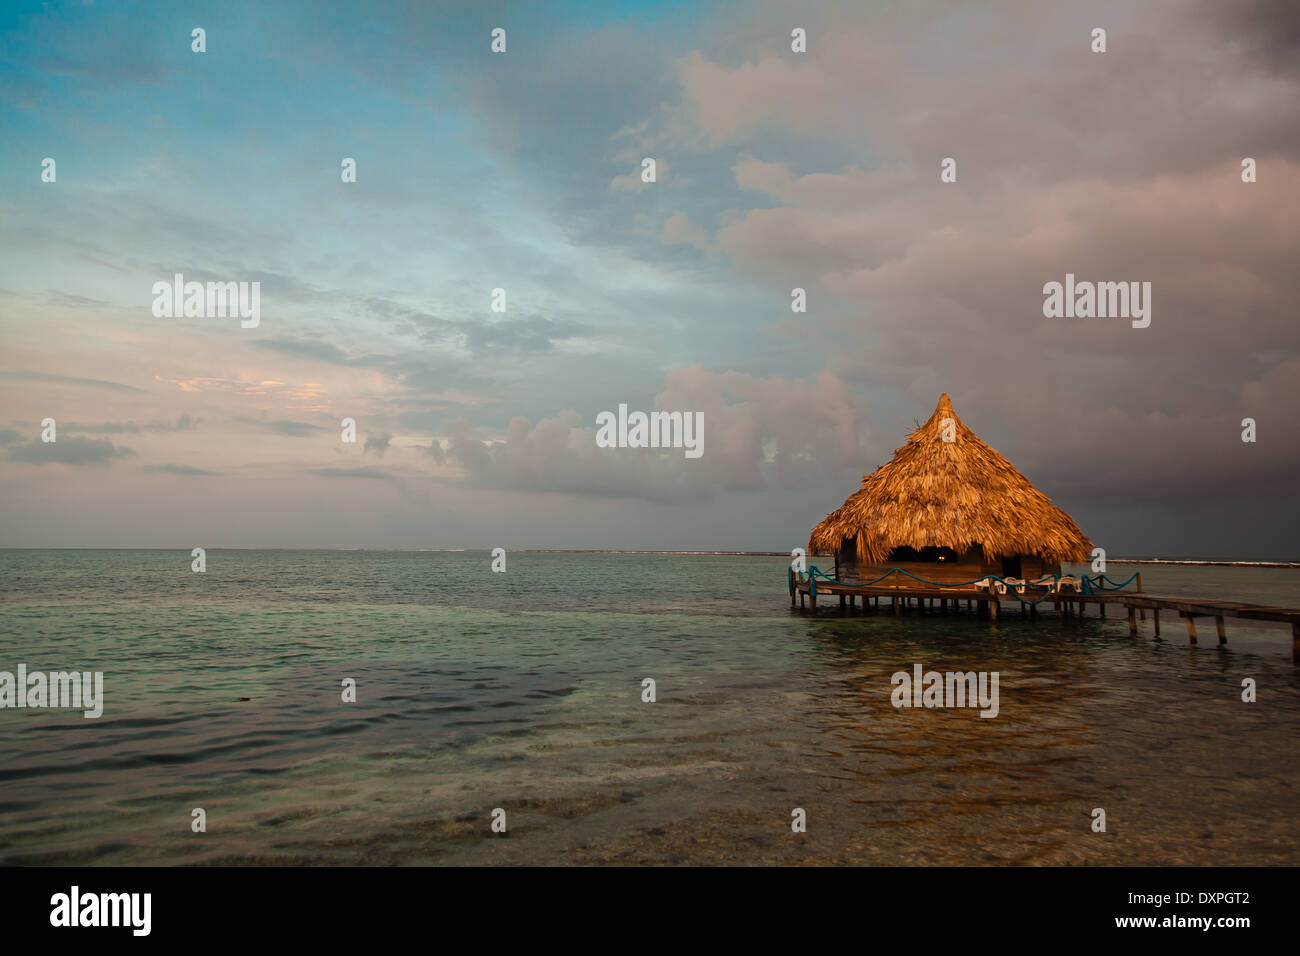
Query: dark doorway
[(1011, 567), (929, 555)]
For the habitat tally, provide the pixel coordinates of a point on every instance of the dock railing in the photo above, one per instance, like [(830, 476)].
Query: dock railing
[(1096, 590)]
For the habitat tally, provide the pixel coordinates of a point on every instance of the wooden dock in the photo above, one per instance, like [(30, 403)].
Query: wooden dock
[(1136, 603)]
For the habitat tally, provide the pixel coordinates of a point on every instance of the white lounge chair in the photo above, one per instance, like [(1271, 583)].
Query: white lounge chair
[(989, 583)]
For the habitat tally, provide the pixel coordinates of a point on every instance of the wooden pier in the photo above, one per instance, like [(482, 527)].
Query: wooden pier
[(1136, 604)]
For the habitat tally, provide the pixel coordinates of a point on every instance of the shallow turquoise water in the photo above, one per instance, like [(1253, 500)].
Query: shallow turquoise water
[(523, 691)]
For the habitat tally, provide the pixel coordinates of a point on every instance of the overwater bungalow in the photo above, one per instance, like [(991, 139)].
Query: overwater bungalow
[(947, 508), (948, 519)]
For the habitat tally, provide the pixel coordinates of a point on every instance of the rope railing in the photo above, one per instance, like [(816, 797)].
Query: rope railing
[(1086, 584), (1096, 582)]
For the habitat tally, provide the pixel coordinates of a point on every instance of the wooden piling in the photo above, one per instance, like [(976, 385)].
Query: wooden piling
[(1132, 622), (1191, 628), (1155, 619), (1218, 626)]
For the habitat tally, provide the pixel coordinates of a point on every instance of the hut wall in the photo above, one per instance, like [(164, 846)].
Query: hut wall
[(947, 571), (970, 566)]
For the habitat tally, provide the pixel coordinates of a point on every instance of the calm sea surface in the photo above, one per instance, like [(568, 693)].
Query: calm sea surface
[(522, 691)]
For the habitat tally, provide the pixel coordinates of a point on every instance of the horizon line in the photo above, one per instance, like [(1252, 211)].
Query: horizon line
[(1183, 560)]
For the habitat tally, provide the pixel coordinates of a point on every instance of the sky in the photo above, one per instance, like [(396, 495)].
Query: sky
[(775, 169)]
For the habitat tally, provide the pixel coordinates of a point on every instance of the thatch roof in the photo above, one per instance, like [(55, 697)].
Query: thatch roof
[(957, 495)]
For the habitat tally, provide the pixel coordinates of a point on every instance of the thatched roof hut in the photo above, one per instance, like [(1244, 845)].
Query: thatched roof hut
[(957, 499)]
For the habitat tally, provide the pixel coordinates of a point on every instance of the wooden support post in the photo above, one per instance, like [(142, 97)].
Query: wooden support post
[(993, 607), (1132, 622), (1218, 625), (897, 609), (842, 602), (812, 602), (1033, 611), (1101, 608), (968, 604), (1142, 614), (1155, 619), (802, 599), (1295, 642), (1191, 628), (1139, 582)]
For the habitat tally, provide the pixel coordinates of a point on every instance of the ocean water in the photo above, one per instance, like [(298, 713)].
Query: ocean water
[(523, 691)]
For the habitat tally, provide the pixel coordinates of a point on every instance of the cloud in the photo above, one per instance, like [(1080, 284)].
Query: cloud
[(316, 351), (283, 426), (67, 380), (351, 473), (377, 443), (678, 228), (184, 423), (188, 470), (71, 450), (758, 432)]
